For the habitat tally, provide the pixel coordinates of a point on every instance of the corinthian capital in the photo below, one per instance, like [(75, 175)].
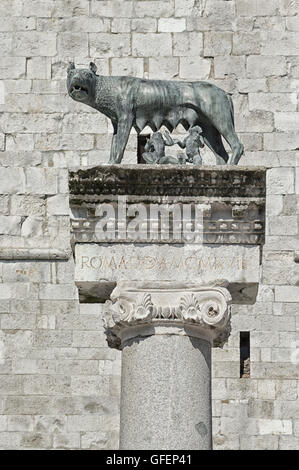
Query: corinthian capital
[(145, 308)]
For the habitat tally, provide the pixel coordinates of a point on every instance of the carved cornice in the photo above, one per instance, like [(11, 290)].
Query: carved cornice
[(171, 180), (232, 199), (200, 311)]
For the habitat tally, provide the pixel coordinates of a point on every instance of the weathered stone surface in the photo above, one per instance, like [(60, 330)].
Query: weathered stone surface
[(195, 68), (120, 25), (231, 65), (2, 141), (4, 209), (286, 121), (72, 43), (246, 43), (280, 43), (209, 182), (263, 66), (282, 141), (58, 205), (183, 7), (141, 373), (34, 123), (19, 142), (130, 67), (109, 45), (265, 442), (275, 426), (215, 15), (144, 25), (187, 44), (34, 44), (12, 180), (163, 67), (96, 264), (280, 181), (41, 181), (287, 293), (143, 45), (171, 25), (112, 8), (260, 8), (217, 44), (154, 8), (12, 69), (273, 101), (255, 121)]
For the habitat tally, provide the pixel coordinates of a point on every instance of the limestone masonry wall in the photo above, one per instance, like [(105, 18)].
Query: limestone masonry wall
[(59, 384)]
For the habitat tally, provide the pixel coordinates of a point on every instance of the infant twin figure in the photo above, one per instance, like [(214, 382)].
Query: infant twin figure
[(155, 148)]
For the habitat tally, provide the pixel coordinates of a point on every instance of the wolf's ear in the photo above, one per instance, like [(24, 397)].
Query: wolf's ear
[(92, 67), (71, 66)]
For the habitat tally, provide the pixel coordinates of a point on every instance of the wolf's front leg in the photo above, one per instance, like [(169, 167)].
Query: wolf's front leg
[(120, 138)]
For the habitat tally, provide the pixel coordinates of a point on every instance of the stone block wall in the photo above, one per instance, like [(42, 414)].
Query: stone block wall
[(59, 384)]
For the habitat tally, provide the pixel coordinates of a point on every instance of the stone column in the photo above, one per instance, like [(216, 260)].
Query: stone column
[(166, 331)]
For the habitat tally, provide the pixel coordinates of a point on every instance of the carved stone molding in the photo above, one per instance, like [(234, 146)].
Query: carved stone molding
[(44, 254), (143, 309), (237, 230), (231, 202), (173, 180)]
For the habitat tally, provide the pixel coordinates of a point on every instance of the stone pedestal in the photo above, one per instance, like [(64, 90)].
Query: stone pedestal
[(165, 331), (196, 245)]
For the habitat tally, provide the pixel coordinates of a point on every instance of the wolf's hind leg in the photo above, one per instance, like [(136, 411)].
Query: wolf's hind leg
[(213, 140), (237, 149)]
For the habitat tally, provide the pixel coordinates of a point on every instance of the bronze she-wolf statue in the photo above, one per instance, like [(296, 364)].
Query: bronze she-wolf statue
[(135, 102)]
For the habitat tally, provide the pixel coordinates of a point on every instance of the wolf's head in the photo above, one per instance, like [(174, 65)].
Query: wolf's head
[(81, 83)]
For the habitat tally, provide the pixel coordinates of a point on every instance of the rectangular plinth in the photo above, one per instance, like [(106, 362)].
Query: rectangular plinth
[(131, 222), (231, 202)]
